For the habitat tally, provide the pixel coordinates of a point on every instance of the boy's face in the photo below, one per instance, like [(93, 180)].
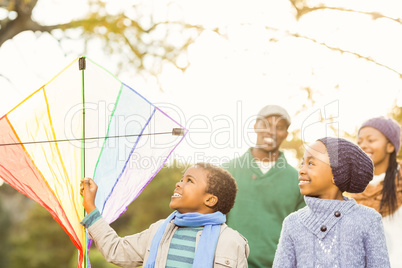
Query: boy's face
[(375, 145), (315, 174), (190, 195), (271, 132)]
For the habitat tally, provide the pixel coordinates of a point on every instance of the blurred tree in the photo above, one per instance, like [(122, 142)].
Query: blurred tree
[(140, 40), (39, 241), (294, 144), (396, 113), (5, 224), (14, 208), (294, 141), (304, 7)]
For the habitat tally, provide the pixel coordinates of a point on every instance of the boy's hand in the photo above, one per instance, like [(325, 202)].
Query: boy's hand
[(88, 190)]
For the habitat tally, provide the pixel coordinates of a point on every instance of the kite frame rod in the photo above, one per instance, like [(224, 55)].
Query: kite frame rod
[(81, 139)]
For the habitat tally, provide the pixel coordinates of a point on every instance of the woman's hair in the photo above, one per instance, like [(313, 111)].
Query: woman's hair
[(221, 184), (389, 200)]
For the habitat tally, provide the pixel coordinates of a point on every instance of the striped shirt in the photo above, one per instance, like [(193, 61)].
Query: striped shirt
[(182, 248)]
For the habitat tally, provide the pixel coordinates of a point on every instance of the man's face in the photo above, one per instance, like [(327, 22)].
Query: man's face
[(271, 132)]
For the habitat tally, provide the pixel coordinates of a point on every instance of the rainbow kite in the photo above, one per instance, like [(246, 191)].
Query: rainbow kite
[(84, 122)]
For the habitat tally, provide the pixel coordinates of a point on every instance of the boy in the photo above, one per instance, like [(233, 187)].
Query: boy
[(194, 235), (333, 230)]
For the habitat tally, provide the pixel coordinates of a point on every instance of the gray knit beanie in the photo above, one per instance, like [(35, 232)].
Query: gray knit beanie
[(351, 167), (388, 127)]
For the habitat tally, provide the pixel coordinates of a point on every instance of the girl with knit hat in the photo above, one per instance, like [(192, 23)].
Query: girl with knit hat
[(380, 138), (333, 230)]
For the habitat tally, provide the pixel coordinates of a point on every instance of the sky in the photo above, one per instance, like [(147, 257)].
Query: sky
[(254, 62)]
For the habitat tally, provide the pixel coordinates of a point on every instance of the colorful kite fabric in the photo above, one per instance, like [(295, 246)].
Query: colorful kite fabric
[(84, 122)]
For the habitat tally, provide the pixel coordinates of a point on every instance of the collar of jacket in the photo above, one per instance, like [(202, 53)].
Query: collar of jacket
[(321, 215)]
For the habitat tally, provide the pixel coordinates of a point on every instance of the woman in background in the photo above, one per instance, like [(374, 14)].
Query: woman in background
[(379, 138)]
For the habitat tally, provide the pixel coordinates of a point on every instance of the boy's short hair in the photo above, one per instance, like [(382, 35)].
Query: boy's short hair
[(221, 184)]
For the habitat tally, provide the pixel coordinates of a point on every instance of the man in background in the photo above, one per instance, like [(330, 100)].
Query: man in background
[(268, 187)]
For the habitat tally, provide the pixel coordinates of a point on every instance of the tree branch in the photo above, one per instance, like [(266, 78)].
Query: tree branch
[(367, 58), (302, 9)]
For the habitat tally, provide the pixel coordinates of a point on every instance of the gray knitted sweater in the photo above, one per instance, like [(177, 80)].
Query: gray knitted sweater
[(332, 233)]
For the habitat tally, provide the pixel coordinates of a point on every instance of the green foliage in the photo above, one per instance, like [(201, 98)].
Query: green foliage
[(40, 242), (5, 225), (295, 145)]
